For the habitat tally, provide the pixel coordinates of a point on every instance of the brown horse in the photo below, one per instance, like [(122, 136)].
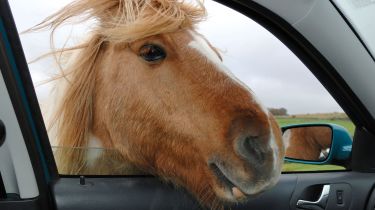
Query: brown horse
[(307, 143), (146, 85)]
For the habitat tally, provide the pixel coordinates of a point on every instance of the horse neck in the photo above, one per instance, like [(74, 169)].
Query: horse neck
[(93, 158)]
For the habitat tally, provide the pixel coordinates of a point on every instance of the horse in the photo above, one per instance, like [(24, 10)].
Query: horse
[(146, 85), (308, 143)]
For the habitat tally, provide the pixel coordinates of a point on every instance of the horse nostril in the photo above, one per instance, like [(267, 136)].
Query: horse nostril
[(252, 148), (251, 140)]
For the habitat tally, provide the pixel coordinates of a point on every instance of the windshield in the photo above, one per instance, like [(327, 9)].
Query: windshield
[(361, 15)]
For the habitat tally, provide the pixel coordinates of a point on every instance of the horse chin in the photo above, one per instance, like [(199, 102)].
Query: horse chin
[(233, 190), (237, 194)]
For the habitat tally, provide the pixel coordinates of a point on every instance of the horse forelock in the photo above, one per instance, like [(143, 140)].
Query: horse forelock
[(129, 20)]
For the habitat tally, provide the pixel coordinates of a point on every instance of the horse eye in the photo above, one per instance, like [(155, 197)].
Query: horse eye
[(152, 53)]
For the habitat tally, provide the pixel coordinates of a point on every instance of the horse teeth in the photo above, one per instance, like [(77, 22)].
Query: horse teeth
[(237, 193)]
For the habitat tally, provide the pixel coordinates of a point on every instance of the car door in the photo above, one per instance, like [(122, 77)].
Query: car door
[(31, 180), (24, 171)]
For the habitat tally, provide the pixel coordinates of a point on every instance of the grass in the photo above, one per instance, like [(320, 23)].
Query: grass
[(292, 167), (332, 118)]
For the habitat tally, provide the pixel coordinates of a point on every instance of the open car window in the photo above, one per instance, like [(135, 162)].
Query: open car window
[(280, 81)]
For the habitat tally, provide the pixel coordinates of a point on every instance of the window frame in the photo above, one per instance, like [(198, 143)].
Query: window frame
[(28, 113), (313, 60)]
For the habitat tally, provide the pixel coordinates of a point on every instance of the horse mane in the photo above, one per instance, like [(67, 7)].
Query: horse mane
[(129, 20), (116, 21)]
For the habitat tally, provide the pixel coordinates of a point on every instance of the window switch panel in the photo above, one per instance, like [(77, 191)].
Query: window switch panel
[(340, 196)]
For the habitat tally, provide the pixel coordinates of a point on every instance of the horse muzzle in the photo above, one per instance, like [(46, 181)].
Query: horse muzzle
[(254, 167), (239, 182)]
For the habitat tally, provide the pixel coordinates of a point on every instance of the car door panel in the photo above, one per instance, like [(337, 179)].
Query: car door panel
[(150, 193), (356, 188), (118, 193)]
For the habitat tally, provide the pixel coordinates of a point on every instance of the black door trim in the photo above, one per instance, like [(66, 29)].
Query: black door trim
[(20, 88)]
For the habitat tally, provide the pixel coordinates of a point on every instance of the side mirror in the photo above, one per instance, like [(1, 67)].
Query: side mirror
[(317, 144)]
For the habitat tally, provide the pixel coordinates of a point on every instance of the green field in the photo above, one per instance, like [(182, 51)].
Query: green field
[(318, 118), (289, 167)]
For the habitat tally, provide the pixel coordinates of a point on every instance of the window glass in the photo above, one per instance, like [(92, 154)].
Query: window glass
[(360, 15), (279, 83)]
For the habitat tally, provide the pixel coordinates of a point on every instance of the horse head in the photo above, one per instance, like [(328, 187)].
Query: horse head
[(149, 85)]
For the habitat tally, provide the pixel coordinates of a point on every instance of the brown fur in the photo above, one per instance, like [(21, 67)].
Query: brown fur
[(172, 118), (306, 143)]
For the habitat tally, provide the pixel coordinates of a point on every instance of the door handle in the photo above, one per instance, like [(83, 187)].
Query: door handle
[(321, 203)]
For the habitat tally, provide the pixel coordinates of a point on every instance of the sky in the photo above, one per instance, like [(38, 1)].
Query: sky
[(254, 55)]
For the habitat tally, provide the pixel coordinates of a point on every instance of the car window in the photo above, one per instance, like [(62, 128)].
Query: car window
[(261, 64)]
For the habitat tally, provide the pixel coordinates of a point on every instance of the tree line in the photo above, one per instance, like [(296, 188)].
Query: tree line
[(278, 111)]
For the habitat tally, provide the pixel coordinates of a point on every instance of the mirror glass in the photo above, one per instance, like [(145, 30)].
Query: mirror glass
[(310, 143)]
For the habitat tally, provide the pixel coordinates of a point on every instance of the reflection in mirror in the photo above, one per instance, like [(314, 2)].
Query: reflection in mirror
[(310, 143)]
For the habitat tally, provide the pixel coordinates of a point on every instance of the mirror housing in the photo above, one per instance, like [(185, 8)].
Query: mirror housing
[(340, 148)]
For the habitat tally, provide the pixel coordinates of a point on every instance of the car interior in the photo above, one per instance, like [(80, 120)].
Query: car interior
[(334, 53)]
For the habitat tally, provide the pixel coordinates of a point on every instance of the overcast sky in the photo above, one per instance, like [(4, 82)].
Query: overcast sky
[(254, 55)]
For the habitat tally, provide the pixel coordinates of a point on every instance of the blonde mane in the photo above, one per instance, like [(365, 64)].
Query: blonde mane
[(116, 21), (129, 20)]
